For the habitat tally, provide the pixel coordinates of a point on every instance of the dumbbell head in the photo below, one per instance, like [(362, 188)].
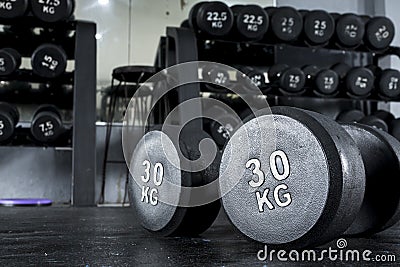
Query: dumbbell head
[(13, 9), (9, 117), (257, 77), (379, 119), (319, 26), (381, 156), (292, 80), (10, 61), (215, 75), (389, 83), (350, 30), (286, 23), (347, 116), (379, 33), (251, 21), (306, 192), (155, 167), (211, 18), (360, 82), (326, 82), (52, 11), (223, 127), (49, 61), (46, 126)]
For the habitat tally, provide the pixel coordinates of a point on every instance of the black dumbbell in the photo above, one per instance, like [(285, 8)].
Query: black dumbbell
[(388, 83), (289, 80), (216, 76), (222, 128), (358, 81), (10, 61), (53, 10), (256, 76), (380, 119), (350, 30), (250, 21), (47, 125), (164, 209), (379, 33), (319, 27), (9, 117), (49, 61), (317, 181), (286, 23), (324, 82), (13, 9), (211, 18), (347, 116)]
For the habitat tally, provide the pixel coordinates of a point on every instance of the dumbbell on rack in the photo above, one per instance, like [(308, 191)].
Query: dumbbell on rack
[(286, 23), (217, 76), (358, 81), (350, 30), (324, 82), (53, 11), (211, 18), (223, 125), (290, 80), (49, 61), (250, 21), (379, 33), (9, 117), (319, 27), (257, 77), (323, 180), (47, 125), (13, 9), (10, 61)]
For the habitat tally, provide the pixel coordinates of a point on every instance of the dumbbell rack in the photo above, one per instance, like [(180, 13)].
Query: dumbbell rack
[(43, 165), (183, 45)]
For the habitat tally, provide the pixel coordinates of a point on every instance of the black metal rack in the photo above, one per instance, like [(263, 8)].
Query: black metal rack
[(183, 45), (76, 160)]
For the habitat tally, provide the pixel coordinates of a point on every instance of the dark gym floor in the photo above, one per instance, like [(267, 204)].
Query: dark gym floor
[(49, 236)]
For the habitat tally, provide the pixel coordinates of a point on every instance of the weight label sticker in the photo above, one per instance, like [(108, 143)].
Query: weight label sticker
[(257, 79), (7, 5), (150, 194), (328, 82), (382, 33), (393, 84), (47, 128), (351, 30), (253, 22), (361, 82), (319, 27), (216, 19), (49, 62), (49, 6), (3, 66), (225, 131), (1, 128), (294, 81), (280, 170), (287, 24)]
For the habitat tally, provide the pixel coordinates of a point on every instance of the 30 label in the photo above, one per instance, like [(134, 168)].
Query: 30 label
[(280, 170)]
